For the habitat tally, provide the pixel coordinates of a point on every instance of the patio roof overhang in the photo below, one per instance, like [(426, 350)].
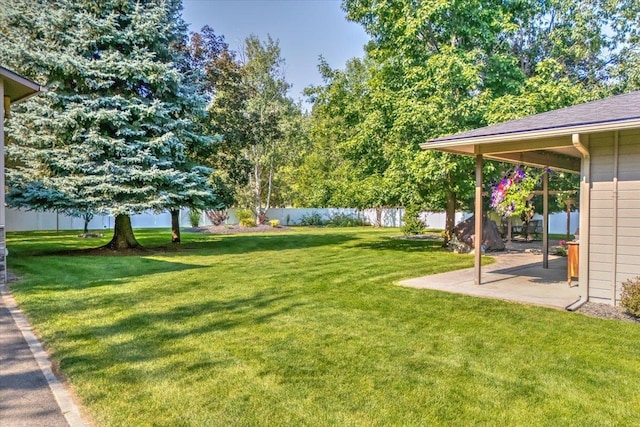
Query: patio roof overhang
[(16, 87), (546, 139), (538, 147)]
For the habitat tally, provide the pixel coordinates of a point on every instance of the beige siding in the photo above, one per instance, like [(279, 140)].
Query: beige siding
[(601, 223), (603, 273), (628, 254)]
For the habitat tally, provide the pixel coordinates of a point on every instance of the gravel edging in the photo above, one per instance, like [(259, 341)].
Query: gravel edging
[(605, 311)]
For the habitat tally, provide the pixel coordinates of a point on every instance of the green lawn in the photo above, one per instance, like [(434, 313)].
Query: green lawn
[(307, 328)]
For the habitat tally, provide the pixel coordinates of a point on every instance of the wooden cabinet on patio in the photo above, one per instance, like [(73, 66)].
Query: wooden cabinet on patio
[(572, 260)]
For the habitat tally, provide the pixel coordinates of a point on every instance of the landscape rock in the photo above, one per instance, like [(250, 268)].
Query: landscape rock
[(491, 239)]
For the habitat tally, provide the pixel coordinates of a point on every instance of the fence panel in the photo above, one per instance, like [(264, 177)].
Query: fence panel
[(19, 220)]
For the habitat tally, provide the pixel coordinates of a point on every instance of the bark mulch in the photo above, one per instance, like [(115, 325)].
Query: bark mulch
[(234, 229)]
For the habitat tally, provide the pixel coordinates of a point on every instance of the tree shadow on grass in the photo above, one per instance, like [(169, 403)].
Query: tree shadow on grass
[(216, 244), (71, 273), (243, 244), (404, 245), (151, 335)]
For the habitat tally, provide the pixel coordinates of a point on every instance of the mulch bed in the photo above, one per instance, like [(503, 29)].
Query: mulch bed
[(234, 229)]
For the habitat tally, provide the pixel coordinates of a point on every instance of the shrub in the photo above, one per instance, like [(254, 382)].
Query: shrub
[(248, 222), (194, 217), (314, 219), (562, 249), (275, 223), (631, 296), (217, 217), (245, 218), (413, 225), (344, 220)]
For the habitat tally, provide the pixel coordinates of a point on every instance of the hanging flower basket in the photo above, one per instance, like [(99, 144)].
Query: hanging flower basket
[(512, 195)]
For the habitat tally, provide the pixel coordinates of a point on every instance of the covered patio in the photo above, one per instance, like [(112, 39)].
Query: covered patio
[(517, 275), (600, 141)]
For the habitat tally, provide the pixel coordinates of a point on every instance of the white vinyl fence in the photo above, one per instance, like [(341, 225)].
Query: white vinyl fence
[(18, 220)]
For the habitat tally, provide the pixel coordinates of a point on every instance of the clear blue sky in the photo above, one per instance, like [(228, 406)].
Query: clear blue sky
[(305, 29)]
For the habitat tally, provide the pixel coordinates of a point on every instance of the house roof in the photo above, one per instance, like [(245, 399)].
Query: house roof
[(545, 139), (616, 110), (16, 87)]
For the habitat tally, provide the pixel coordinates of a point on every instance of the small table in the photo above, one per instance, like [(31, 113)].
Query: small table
[(572, 260)]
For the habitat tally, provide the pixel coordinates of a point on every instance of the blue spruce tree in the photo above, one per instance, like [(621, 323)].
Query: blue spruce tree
[(116, 131)]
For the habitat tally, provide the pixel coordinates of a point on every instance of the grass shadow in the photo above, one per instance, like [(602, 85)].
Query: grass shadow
[(151, 334), (248, 243), (74, 273), (222, 244), (403, 245)]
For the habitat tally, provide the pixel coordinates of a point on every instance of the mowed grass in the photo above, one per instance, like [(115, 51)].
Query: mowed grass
[(308, 328)]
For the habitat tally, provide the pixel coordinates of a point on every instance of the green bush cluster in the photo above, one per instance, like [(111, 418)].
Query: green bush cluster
[(194, 218), (413, 225), (312, 219), (631, 296), (336, 220), (345, 220), (245, 218), (275, 223)]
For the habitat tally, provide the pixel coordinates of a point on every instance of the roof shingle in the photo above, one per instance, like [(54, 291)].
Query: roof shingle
[(608, 110)]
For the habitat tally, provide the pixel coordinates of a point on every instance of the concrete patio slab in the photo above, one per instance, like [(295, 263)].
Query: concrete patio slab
[(515, 276)]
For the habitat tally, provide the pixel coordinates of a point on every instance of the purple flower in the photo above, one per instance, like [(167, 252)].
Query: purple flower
[(519, 175)]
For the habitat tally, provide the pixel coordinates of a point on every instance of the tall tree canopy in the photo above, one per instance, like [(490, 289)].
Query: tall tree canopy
[(258, 124), (439, 67), (115, 131)]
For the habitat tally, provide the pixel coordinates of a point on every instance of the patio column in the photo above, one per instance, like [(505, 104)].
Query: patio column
[(477, 240), (585, 212), (545, 219), (4, 108)]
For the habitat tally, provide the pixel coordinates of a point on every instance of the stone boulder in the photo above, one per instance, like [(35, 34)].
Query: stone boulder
[(491, 239)]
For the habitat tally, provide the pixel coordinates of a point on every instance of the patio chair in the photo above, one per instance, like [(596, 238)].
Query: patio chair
[(534, 229)]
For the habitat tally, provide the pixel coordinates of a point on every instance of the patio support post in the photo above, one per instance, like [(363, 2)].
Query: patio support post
[(545, 219), (614, 244), (585, 213), (477, 239), (4, 107)]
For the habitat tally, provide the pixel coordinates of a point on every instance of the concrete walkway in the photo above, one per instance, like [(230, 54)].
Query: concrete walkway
[(516, 276), (30, 394)]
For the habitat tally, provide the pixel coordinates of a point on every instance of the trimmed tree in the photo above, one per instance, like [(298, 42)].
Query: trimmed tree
[(114, 132)]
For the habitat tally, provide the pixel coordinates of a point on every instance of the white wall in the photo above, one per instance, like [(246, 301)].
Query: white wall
[(18, 220)]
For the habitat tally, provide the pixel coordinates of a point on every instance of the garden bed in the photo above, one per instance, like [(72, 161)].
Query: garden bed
[(234, 229)]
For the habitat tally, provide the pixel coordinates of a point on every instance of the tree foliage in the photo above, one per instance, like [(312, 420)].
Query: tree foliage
[(437, 67), (258, 125), (114, 132)]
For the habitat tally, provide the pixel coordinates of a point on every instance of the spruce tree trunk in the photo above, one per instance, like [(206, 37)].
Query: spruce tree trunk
[(175, 226), (123, 237), (450, 219)]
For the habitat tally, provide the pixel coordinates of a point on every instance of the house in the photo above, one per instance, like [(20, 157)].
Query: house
[(13, 89), (599, 140)]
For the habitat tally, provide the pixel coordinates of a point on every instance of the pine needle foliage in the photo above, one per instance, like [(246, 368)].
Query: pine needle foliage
[(115, 130)]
